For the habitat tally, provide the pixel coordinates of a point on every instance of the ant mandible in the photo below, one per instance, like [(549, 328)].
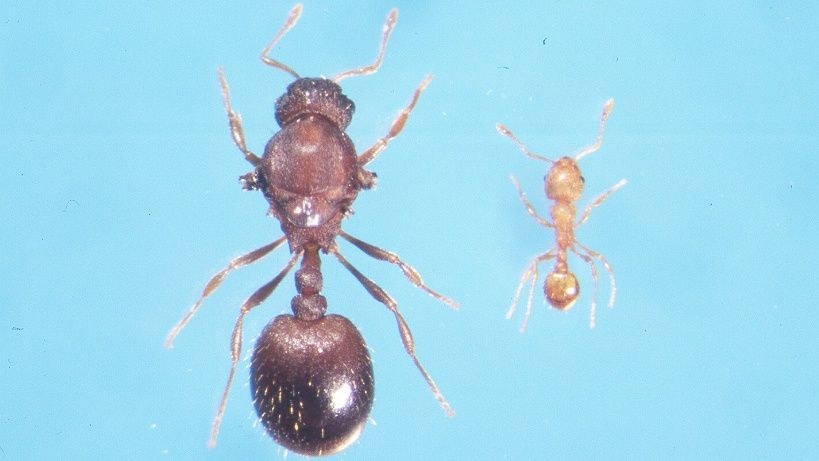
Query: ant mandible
[(311, 374), (563, 184)]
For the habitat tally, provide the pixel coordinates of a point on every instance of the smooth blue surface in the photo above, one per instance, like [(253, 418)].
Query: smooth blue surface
[(119, 199)]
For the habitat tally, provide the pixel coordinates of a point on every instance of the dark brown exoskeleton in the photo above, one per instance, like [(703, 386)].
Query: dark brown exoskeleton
[(564, 185), (311, 374)]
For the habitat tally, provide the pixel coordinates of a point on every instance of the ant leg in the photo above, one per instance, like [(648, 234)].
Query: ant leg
[(596, 146), (409, 272), (506, 132), (291, 20), (599, 200), (370, 154), (533, 273), (590, 262), (608, 268), (217, 279), (406, 335), (235, 122), (236, 340), (523, 279), (544, 257), (535, 276), (529, 208), (392, 17)]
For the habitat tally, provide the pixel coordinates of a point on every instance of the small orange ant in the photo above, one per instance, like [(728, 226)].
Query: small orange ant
[(564, 184)]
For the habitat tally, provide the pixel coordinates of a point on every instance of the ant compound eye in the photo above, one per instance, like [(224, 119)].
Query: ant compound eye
[(312, 383)]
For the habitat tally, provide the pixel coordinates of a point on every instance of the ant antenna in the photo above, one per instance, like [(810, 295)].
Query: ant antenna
[(292, 18), (366, 70), (596, 146), (505, 131)]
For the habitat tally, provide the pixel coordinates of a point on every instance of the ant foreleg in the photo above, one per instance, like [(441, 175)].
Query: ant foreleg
[(406, 335), (409, 272), (254, 300), (370, 154), (529, 208), (217, 279), (235, 120), (599, 200)]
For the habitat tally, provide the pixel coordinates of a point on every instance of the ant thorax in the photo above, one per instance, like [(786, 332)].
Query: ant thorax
[(308, 171), (563, 214)]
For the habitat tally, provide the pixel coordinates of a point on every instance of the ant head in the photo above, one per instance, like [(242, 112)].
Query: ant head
[(315, 96), (564, 182), (561, 289)]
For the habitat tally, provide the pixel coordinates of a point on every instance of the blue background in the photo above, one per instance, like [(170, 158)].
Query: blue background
[(119, 199)]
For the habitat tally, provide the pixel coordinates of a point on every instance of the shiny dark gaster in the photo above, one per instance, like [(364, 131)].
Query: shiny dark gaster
[(309, 402), (311, 374)]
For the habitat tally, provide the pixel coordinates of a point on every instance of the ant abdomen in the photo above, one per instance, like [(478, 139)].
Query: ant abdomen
[(561, 289), (312, 383)]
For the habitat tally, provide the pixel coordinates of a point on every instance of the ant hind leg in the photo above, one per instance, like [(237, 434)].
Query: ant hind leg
[(531, 272), (254, 300), (406, 335), (608, 268), (590, 262), (523, 279), (529, 299), (217, 280), (409, 271)]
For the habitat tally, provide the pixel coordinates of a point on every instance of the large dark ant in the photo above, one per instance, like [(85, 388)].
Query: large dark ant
[(563, 184), (311, 374)]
